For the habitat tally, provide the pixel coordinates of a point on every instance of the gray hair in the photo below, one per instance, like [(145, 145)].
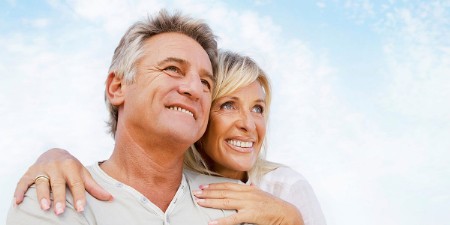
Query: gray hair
[(130, 48)]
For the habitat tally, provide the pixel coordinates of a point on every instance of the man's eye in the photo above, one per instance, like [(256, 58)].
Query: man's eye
[(227, 106), (206, 83), (172, 70), (258, 109)]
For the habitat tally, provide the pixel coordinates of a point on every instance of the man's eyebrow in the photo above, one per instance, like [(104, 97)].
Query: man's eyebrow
[(203, 72), (173, 59)]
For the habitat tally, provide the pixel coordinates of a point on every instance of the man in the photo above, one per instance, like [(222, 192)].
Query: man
[(158, 92)]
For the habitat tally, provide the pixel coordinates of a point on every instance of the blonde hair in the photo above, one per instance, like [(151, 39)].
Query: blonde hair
[(130, 48), (236, 71)]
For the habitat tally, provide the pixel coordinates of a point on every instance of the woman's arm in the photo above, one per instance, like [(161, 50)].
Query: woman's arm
[(253, 204), (62, 169), (293, 187)]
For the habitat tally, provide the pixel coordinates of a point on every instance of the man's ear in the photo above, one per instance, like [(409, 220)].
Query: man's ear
[(114, 89)]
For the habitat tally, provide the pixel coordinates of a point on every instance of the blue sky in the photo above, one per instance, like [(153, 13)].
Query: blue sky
[(361, 92)]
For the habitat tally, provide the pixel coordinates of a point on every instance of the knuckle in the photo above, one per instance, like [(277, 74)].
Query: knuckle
[(26, 177), (57, 183), (226, 202), (51, 166), (76, 184), (58, 152), (69, 163)]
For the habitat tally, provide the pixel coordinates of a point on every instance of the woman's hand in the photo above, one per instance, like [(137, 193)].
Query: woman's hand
[(62, 169), (252, 204)]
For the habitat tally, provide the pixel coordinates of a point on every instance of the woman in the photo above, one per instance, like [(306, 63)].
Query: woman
[(232, 146)]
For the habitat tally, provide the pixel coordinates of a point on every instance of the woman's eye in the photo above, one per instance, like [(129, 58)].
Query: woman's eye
[(227, 106), (258, 109)]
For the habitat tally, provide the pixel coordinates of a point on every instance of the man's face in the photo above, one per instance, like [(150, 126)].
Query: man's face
[(171, 96)]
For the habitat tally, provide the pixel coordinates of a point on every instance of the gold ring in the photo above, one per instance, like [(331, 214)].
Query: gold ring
[(42, 177)]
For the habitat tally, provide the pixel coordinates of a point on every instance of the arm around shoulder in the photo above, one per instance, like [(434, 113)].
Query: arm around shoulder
[(292, 215), (30, 212)]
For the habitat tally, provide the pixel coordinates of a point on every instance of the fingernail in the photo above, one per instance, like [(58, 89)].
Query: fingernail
[(200, 200), (213, 222), (80, 206), (59, 208), (204, 186), (197, 192), (45, 205)]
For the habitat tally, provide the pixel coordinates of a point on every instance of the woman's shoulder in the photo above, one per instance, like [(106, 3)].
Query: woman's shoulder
[(283, 181), (284, 174)]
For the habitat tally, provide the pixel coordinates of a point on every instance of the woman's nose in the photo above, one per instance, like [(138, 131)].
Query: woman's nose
[(246, 122)]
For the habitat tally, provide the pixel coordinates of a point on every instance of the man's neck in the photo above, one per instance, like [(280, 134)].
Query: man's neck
[(154, 171)]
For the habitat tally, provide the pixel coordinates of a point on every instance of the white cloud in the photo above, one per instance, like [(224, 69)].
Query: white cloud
[(416, 51), (12, 2), (412, 138), (417, 55), (321, 4), (51, 96), (262, 2), (37, 23), (60, 102), (53, 83), (360, 11)]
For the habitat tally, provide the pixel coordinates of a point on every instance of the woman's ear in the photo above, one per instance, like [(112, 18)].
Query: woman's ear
[(114, 89)]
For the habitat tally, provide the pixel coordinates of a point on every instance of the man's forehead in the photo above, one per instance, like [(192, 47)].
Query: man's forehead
[(178, 48)]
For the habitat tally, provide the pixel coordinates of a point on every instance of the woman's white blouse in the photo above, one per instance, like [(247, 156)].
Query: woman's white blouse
[(291, 186)]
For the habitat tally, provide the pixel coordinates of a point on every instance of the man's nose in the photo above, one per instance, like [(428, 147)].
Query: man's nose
[(191, 87)]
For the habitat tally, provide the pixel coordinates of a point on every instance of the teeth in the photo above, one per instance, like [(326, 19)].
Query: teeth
[(181, 110), (242, 144)]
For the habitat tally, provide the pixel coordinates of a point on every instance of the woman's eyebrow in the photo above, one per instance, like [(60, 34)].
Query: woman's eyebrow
[(259, 100)]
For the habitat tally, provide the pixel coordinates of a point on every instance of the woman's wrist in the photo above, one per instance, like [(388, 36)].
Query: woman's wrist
[(292, 215)]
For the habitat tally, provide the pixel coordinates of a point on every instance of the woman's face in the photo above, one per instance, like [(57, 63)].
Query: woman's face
[(236, 131)]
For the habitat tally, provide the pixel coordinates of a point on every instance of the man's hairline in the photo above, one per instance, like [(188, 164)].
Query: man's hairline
[(203, 73)]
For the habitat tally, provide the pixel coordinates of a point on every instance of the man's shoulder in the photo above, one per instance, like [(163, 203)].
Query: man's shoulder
[(197, 178), (30, 212), (100, 176)]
